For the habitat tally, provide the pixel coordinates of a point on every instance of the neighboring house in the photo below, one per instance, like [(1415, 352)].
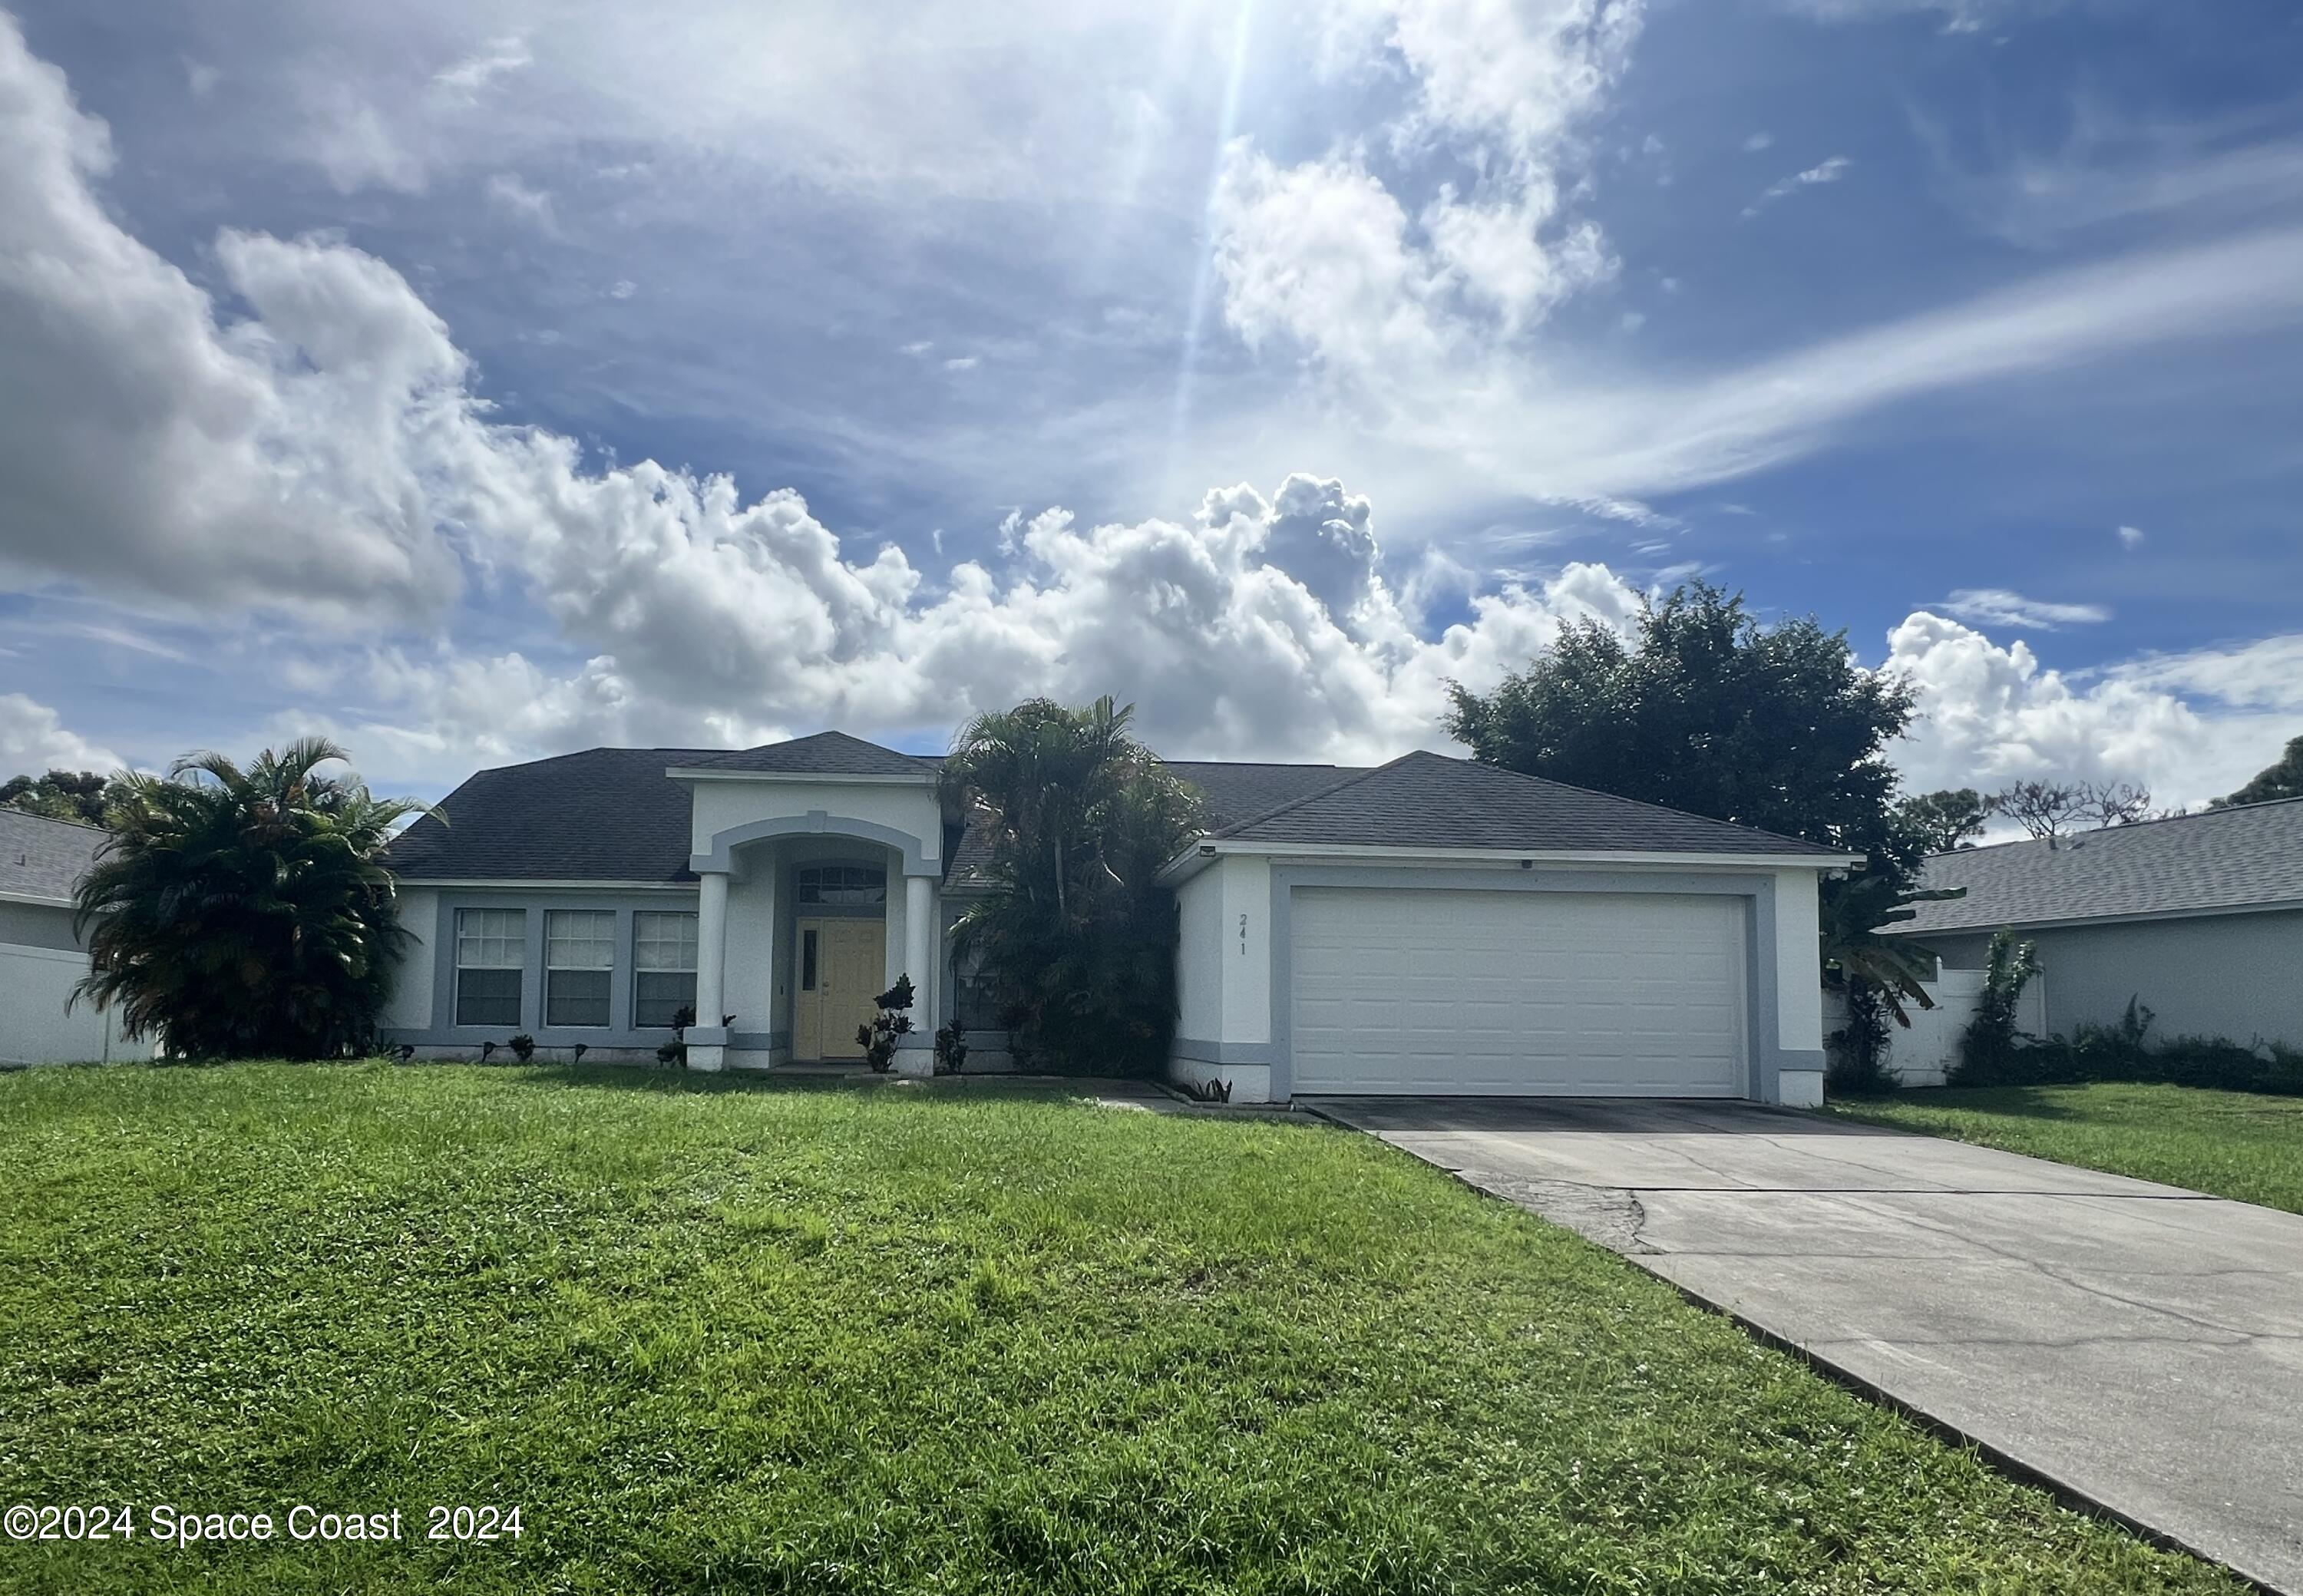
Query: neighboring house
[(2199, 917), (1431, 925), (41, 961)]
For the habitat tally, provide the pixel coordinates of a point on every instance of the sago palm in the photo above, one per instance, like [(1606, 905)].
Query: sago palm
[(238, 914)]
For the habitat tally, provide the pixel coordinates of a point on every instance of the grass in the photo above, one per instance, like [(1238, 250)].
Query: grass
[(729, 1335), (2231, 1143)]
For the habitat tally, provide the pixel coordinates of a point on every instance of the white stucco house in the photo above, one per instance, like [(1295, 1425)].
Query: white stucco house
[(1428, 926), (41, 960), (2199, 917)]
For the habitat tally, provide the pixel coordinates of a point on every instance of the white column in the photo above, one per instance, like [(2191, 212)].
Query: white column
[(707, 1040), (920, 942)]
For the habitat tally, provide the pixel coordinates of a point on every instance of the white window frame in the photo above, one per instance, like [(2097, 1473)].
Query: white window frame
[(496, 940), (556, 946), (641, 920)]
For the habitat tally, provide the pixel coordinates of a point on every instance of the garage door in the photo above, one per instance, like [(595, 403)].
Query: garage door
[(1517, 992)]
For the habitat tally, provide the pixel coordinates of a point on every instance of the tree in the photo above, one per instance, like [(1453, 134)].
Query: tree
[(2048, 810), (1081, 817), (82, 796), (1944, 821), (239, 914), (1707, 711), (2284, 779)]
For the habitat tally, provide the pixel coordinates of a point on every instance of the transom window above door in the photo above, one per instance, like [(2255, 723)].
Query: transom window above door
[(842, 886)]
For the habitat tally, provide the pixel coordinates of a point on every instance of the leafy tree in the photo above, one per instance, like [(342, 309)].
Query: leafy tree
[(1776, 726), (82, 796), (1082, 818), (2284, 779), (1707, 711), (1942, 821), (238, 914)]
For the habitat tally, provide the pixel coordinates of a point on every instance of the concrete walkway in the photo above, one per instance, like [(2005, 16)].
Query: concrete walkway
[(2140, 1345)]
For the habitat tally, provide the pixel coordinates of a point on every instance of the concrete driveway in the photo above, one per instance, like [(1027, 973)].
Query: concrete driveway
[(2139, 1345)]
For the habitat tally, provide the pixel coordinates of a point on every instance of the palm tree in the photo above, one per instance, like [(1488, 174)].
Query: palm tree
[(240, 914), (1081, 817)]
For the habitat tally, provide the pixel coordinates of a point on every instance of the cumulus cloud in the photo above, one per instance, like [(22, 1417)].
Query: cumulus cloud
[(1323, 252), (34, 740), (1992, 714), (144, 442), (1998, 606), (2131, 537)]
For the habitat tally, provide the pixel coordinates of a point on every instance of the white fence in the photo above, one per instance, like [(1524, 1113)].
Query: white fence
[(1923, 1055), (35, 1029)]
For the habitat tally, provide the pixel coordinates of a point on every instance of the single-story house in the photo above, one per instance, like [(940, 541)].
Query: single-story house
[(2198, 916), (1428, 926), (41, 960)]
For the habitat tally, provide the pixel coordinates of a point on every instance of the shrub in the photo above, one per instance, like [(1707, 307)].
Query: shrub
[(1859, 1049), (523, 1047), (950, 1050), (1988, 1046), (2122, 1052), (878, 1037)]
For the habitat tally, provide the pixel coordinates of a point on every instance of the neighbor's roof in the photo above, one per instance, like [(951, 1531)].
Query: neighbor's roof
[(41, 857), (825, 754), (1428, 800), (2245, 858)]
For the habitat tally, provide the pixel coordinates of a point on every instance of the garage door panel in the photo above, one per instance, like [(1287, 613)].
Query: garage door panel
[(1517, 992)]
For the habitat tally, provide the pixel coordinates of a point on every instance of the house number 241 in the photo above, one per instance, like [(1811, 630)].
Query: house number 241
[(1243, 934)]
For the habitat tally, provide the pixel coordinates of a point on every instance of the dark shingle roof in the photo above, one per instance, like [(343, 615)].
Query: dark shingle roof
[(55, 854), (611, 814), (2223, 858), (1230, 793), (603, 814), (1428, 800), (825, 754)]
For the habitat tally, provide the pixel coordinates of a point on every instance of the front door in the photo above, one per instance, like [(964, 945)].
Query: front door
[(841, 966)]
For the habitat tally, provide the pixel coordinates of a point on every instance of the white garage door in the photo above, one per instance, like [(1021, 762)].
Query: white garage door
[(1516, 992)]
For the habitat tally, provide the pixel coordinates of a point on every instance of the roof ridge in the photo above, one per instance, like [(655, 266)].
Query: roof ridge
[(2133, 825), (1353, 779), (1737, 825), (85, 825)]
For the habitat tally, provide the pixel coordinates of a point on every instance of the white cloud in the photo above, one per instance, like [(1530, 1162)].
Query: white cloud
[(961, 363), (507, 193), (1989, 606), (2131, 537), (1992, 714), (34, 740), (470, 76), (1829, 171), (142, 442), (1759, 141), (1322, 251)]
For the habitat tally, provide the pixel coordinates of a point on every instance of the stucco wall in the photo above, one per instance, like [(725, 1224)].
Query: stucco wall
[(2238, 976), (720, 805), (1199, 967), (37, 925), (1799, 962), (1246, 939), (409, 1006)]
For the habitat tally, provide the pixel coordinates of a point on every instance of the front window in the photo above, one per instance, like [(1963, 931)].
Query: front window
[(579, 960), (491, 956), (663, 962), (857, 886)]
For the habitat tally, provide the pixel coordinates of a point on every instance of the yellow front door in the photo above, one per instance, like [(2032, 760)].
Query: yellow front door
[(840, 966)]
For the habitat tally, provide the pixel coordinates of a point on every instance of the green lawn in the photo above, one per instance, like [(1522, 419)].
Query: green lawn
[(731, 1335), (2233, 1143)]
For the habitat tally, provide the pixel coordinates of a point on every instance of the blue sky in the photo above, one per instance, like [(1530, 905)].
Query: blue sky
[(371, 373)]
